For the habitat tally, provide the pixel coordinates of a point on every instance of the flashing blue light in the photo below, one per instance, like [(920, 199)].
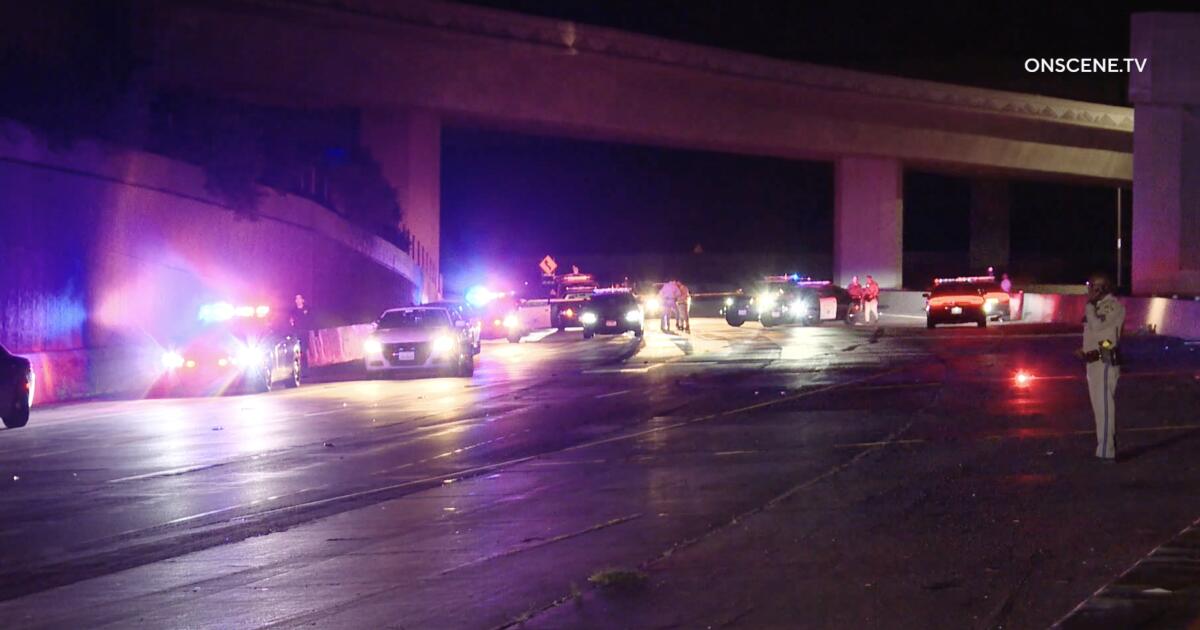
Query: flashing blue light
[(479, 295)]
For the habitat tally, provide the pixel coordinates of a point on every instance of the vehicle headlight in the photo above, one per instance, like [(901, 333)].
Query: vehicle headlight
[(249, 356), (799, 305), (989, 303), (511, 321), (728, 301), (653, 304), (172, 360), (372, 346), (588, 318), (442, 344), (633, 316), (766, 300)]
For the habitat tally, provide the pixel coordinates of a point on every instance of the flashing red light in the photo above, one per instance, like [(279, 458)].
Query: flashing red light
[(1023, 378)]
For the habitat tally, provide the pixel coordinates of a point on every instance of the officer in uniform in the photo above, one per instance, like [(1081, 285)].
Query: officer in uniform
[(871, 300), (1103, 319)]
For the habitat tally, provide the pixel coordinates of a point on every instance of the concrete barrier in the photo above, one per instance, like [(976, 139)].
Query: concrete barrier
[(1165, 316), (331, 346)]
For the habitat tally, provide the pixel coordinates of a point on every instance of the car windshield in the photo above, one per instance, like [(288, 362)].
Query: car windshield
[(417, 318), (955, 288)]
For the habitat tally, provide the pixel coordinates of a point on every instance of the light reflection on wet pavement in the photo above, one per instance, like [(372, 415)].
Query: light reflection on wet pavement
[(814, 477)]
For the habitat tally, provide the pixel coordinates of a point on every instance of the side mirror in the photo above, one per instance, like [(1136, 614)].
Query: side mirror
[(925, 295)]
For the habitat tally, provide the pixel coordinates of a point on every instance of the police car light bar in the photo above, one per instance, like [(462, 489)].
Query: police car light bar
[(965, 279), (224, 311), (612, 290), (577, 277), (804, 281)]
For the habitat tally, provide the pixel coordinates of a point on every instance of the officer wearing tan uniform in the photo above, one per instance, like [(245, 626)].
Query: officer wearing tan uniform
[(1104, 316)]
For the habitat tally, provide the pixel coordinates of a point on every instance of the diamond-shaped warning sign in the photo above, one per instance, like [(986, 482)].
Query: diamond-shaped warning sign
[(548, 265)]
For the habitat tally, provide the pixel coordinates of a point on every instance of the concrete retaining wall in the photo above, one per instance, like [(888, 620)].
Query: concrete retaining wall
[(109, 253), (1174, 318)]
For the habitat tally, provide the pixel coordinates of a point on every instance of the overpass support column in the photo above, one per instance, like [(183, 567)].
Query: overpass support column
[(408, 146), (868, 226), (1166, 153), (989, 225)]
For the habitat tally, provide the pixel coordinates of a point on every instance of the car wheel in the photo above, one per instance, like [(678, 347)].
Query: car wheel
[(929, 323), (736, 323), (294, 381), (18, 416), (588, 334), (467, 366), (639, 333), (982, 323), (265, 384), (514, 339)]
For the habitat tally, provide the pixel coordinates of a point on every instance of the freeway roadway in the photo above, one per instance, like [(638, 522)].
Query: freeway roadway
[(794, 477)]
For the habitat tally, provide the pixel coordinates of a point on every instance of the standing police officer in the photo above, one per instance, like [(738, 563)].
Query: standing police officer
[(1104, 316), (871, 300)]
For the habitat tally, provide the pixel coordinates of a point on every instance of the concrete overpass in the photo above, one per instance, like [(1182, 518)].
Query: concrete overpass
[(412, 66)]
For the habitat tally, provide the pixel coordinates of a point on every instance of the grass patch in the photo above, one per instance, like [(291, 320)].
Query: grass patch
[(618, 579)]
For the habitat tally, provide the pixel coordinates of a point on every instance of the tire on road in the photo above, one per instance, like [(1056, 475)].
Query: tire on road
[(466, 366), (18, 415)]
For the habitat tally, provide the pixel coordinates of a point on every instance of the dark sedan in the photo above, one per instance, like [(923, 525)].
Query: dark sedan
[(16, 389), (611, 313)]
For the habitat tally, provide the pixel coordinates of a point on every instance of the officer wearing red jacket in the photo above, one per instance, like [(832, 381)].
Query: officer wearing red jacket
[(871, 300)]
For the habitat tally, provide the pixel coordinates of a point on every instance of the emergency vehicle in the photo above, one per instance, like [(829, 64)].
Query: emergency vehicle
[(246, 348), (612, 311), (966, 299), (789, 299), (558, 305)]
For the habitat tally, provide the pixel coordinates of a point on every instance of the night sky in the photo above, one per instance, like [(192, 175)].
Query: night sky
[(509, 197)]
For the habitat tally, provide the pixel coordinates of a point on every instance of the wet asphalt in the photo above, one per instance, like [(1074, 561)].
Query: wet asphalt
[(818, 477)]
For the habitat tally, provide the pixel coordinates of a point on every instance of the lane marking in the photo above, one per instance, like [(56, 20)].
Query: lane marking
[(1131, 603), (875, 444), (170, 472), (611, 394), (542, 543), (537, 336), (1039, 435)]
